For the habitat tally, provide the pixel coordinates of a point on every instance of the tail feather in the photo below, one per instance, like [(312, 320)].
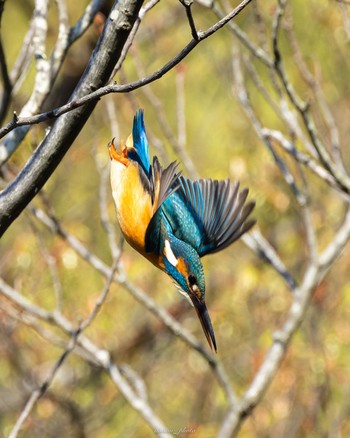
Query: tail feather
[(141, 143)]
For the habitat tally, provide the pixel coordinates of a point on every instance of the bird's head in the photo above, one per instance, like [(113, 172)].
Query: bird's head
[(183, 264)]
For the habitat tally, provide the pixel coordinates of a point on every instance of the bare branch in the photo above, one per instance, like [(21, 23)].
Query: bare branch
[(277, 351), (242, 94), (85, 20), (256, 241), (38, 393), (50, 152), (47, 69), (302, 158), (314, 84), (7, 90), (143, 11), (126, 88), (256, 51), (342, 179), (19, 193), (23, 60), (157, 104), (101, 357), (336, 247), (187, 5), (137, 402), (141, 297)]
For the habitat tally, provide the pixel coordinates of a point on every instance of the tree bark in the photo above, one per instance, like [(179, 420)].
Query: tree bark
[(16, 196)]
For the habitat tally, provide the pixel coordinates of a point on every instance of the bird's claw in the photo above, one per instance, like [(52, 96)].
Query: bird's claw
[(121, 156)]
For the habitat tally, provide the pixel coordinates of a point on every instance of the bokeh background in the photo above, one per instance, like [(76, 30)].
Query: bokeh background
[(192, 114)]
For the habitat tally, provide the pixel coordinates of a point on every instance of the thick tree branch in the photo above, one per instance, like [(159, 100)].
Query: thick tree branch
[(47, 69), (53, 148)]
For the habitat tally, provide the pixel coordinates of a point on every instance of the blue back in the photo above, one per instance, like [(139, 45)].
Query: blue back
[(206, 214)]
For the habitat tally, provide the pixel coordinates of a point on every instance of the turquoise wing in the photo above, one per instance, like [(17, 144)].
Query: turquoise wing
[(208, 214)]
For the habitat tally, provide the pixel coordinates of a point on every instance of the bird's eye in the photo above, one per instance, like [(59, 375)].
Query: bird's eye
[(192, 279)]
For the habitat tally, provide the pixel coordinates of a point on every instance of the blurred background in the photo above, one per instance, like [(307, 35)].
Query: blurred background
[(193, 114)]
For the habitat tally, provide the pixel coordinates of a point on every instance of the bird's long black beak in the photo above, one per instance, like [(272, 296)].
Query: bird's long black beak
[(204, 318)]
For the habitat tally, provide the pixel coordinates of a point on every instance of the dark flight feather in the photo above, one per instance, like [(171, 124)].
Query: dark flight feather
[(219, 211)]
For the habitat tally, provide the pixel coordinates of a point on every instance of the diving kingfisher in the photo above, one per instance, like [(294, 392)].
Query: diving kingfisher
[(173, 221)]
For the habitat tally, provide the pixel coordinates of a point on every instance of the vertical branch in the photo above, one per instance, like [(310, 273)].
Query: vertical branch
[(303, 108), (314, 84), (243, 97), (345, 15), (157, 104), (39, 392), (22, 63), (103, 169), (7, 90), (42, 77), (143, 11), (7, 84), (180, 107)]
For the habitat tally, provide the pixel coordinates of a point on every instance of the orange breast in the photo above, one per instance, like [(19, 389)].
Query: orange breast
[(133, 205)]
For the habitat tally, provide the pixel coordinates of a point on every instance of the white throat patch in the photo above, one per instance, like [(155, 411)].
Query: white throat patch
[(169, 253)]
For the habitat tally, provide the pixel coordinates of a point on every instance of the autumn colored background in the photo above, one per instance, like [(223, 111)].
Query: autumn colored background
[(193, 115)]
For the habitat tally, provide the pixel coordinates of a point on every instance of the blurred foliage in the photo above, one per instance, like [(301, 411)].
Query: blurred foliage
[(246, 299)]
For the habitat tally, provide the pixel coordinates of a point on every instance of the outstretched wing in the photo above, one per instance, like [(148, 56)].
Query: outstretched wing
[(208, 214)]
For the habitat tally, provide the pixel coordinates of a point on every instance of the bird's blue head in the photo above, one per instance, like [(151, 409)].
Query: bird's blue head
[(183, 264)]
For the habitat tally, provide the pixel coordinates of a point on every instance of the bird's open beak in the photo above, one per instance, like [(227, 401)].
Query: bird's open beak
[(204, 318)]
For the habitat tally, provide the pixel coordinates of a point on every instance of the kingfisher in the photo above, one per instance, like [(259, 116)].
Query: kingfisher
[(174, 221)]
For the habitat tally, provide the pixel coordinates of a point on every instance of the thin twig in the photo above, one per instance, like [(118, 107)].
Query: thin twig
[(39, 392), (157, 104), (143, 11), (99, 356), (256, 51), (126, 88), (342, 179), (314, 84), (120, 277), (242, 94), (288, 146), (47, 68), (7, 88), (257, 242), (187, 5)]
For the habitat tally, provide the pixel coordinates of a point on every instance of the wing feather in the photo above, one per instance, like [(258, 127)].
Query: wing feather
[(164, 183), (218, 211)]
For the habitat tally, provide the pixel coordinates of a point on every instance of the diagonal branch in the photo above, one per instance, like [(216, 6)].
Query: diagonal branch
[(100, 357), (53, 224), (342, 179), (48, 69), (92, 97), (52, 149), (314, 274)]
